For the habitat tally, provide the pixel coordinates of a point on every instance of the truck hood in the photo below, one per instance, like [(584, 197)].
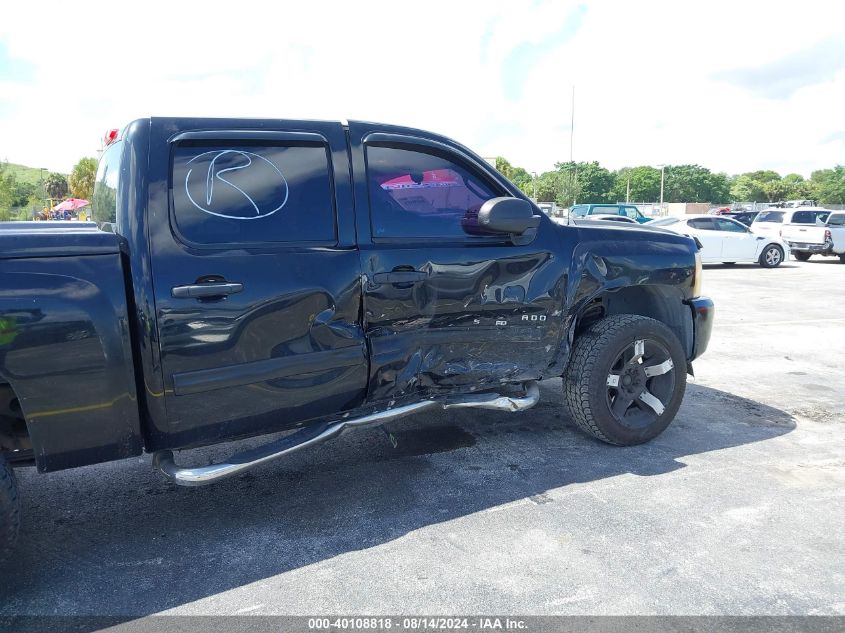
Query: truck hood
[(616, 232), (20, 240)]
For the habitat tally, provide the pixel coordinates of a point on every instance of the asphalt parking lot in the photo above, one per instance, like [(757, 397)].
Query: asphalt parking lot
[(737, 509)]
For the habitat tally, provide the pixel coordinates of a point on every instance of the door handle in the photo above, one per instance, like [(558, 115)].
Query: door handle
[(400, 277), (206, 290)]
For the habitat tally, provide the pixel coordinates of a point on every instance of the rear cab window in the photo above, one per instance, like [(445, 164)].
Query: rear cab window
[(244, 192), (632, 212), (775, 217), (804, 217), (104, 203)]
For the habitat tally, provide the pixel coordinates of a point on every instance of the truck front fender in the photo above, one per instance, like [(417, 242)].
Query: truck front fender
[(629, 271)]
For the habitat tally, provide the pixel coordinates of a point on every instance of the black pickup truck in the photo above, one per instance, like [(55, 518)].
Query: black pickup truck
[(246, 277)]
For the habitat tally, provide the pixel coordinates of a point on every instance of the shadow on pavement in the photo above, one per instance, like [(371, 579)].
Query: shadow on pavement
[(117, 539)]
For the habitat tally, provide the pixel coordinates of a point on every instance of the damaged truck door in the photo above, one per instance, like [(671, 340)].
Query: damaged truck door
[(256, 281), (448, 301)]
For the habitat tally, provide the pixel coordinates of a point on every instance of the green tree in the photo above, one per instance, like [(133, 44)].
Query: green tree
[(694, 183), (56, 185), (758, 185), (589, 183), (644, 183), (765, 175), (775, 190), (7, 194), (517, 175), (554, 186), (746, 189), (796, 187), (82, 178), (828, 185)]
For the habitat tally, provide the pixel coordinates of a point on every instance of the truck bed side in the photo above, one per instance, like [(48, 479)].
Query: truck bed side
[(65, 344)]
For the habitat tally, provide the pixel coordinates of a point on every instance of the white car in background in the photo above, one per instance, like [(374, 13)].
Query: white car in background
[(726, 241), (769, 222)]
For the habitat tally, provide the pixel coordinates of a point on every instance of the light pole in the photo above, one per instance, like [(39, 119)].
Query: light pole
[(662, 167), (534, 180)]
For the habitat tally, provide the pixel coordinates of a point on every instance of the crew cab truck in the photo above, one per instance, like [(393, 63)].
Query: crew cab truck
[(807, 235), (275, 275)]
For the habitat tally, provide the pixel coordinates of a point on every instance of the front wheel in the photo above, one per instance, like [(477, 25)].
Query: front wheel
[(801, 257), (771, 257), (9, 508), (625, 380)]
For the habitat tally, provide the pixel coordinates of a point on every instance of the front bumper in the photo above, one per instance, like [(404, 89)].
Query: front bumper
[(703, 311)]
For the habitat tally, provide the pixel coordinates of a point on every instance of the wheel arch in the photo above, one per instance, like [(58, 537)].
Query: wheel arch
[(15, 440), (661, 302)]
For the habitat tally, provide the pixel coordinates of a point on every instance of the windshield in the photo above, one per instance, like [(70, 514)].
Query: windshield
[(579, 211), (769, 216)]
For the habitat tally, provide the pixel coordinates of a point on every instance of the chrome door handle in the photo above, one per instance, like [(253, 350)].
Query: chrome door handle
[(206, 290)]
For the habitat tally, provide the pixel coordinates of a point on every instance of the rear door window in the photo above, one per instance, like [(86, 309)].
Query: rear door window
[(723, 224), (702, 224), (251, 193)]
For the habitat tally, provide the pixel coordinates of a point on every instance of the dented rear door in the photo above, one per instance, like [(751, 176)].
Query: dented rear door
[(446, 308)]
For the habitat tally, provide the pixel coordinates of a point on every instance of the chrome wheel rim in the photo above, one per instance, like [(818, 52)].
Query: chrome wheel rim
[(640, 383), (773, 256)]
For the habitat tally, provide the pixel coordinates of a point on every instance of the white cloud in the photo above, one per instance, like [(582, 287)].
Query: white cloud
[(649, 76)]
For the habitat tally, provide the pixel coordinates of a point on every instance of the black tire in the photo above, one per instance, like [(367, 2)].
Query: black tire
[(801, 257), (9, 509), (771, 257), (842, 259), (600, 353)]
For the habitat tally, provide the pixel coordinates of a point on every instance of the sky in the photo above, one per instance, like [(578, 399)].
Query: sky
[(733, 86)]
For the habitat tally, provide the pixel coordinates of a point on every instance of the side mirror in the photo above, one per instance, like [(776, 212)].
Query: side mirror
[(507, 215)]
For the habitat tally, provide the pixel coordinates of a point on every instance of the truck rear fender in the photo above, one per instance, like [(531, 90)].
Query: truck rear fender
[(65, 352)]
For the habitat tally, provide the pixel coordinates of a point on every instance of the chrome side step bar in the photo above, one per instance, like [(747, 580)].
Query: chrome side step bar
[(164, 462)]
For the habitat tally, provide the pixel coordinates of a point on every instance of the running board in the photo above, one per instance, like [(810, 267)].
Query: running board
[(309, 436)]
